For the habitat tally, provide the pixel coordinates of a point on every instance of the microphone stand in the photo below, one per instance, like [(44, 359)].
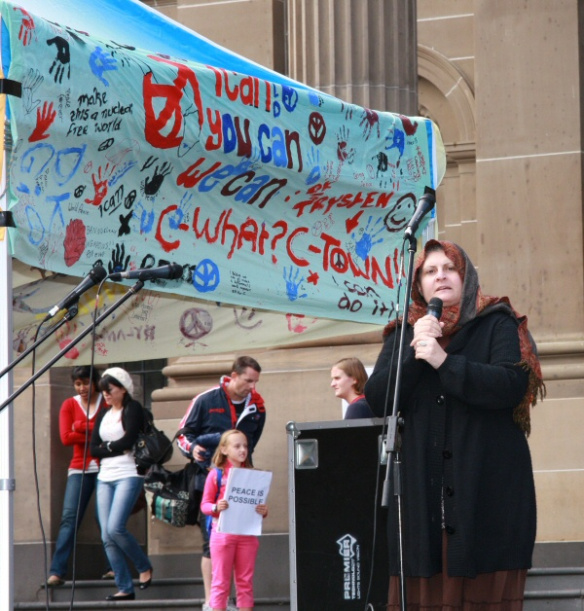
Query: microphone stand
[(68, 347), (394, 425), (71, 313)]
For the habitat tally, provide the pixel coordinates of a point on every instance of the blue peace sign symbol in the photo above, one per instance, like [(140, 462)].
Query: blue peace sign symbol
[(206, 276)]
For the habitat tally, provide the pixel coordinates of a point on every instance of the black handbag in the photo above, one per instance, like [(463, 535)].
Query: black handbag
[(152, 447), (176, 498)]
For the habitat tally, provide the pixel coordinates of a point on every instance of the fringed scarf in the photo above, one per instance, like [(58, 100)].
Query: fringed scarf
[(472, 305)]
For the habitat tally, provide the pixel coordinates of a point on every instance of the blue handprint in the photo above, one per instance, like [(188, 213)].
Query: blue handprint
[(145, 217), (313, 160), (293, 284), (367, 240), (398, 141), (100, 62), (178, 215)]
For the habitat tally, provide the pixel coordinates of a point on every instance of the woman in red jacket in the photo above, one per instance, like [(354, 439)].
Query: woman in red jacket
[(76, 420)]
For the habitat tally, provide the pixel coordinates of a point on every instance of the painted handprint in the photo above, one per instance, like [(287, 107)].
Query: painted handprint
[(63, 59), (152, 185), (101, 62), (382, 162), (293, 284), (144, 217), (75, 241), (369, 121), (45, 118), (182, 213), (100, 185), (368, 239), (313, 160), (27, 28), (30, 83), (330, 173), (343, 152), (398, 141), (119, 262)]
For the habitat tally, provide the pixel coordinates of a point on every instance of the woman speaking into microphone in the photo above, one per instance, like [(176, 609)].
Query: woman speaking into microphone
[(468, 497)]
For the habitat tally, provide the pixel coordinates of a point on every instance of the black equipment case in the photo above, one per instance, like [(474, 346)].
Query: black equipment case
[(338, 531)]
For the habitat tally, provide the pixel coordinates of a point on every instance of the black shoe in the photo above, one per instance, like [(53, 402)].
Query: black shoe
[(128, 596), (146, 584)]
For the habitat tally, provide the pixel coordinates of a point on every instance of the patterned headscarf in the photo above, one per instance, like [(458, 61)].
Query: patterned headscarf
[(473, 304)]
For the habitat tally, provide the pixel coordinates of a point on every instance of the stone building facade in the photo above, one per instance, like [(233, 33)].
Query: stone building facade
[(502, 80)]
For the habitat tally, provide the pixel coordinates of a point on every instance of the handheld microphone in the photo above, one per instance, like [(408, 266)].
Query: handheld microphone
[(435, 307), (167, 272), (425, 204), (95, 276)]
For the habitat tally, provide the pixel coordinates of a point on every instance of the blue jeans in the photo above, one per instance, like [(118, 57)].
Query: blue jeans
[(115, 501), (69, 524)]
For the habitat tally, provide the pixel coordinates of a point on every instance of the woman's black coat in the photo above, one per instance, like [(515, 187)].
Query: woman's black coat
[(459, 436), (132, 422)]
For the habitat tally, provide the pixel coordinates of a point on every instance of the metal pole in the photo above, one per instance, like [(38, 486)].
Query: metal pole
[(7, 483)]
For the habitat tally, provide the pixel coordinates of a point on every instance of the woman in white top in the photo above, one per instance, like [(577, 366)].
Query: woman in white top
[(119, 483)]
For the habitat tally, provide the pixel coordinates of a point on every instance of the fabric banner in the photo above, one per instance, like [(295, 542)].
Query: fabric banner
[(152, 324), (269, 196)]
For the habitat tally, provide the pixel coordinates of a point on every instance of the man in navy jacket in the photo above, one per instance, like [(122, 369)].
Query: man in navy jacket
[(233, 404)]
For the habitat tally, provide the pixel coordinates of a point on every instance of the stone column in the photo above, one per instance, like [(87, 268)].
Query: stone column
[(529, 208), (362, 51)]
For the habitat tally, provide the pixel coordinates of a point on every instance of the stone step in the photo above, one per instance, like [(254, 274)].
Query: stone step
[(166, 588), (562, 578), (178, 593), (554, 589), (185, 604)]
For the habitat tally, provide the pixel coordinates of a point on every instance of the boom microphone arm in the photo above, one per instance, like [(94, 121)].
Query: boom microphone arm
[(75, 341), (71, 313)]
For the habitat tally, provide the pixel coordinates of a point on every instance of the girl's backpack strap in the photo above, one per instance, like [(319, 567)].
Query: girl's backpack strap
[(209, 517)]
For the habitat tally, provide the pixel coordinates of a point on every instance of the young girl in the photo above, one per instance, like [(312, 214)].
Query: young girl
[(230, 553)]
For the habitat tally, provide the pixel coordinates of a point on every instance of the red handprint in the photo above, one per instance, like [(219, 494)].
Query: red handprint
[(26, 32), (370, 120), (45, 118), (75, 240), (100, 185)]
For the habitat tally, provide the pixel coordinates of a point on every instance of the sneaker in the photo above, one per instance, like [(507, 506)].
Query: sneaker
[(208, 608)]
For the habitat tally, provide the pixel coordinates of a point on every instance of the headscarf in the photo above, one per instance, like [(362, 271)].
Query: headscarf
[(472, 305)]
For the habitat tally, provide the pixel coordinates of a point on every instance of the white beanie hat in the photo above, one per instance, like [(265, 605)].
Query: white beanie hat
[(122, 376)]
